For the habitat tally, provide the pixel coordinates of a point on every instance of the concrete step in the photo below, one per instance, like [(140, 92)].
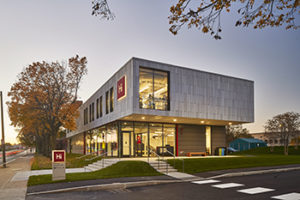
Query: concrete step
[(91, 168), (159, 164), (165, 170)]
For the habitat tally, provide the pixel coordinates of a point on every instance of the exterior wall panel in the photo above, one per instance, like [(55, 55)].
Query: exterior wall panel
[(198, 94), (191, 139), (218, 138)]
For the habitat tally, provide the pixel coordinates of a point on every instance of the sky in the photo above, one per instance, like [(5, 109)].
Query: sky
[(55, 30)]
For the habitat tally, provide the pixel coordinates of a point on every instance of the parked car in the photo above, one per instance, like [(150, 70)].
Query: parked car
[(231, 150)]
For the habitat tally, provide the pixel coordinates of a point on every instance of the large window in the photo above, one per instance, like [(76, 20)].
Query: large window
[(111, 99), (101, 106), (106, 103), (93, 111), (154, 89), (85, 116), (98, 108), (90, 112)]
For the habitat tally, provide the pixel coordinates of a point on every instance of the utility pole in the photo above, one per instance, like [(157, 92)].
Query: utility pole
[(2, 125)]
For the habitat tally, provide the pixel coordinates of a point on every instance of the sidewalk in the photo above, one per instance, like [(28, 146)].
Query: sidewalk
[(10, 188)]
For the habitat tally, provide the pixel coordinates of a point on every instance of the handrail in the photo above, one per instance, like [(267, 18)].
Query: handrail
[(174, 159), (171, 154), (150, 150), (85, 155), (96, 157)]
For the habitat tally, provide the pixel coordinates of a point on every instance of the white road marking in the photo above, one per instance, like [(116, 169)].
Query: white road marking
[(256, 190), (206, 181), (228, 185), (290, 196)]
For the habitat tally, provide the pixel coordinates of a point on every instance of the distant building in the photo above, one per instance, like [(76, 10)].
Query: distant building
[(270, 139), (242, 144), (148, 107)]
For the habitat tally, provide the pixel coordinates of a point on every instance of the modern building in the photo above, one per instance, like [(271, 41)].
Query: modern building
[(242, 144), (148, 108)]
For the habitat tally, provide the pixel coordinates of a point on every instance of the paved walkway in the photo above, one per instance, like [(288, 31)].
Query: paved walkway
[(13, 188)]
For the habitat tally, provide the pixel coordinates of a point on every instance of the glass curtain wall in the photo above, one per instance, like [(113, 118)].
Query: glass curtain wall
[(156, 139), (101, 140), (169, 139), (135, 139), (153, 89), (141, 139), (112, 139)]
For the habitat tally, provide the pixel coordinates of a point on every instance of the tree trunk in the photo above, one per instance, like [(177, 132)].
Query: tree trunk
[(286, 147)]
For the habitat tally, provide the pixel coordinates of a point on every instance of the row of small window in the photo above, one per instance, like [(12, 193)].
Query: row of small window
[(89, 112)]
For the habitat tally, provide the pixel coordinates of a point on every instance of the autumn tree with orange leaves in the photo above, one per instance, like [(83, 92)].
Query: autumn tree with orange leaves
[(44, 100), (205, 15)]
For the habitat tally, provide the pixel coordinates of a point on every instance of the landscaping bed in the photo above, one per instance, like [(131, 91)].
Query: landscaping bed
[(120, 169), (72, 161), (196, 165)]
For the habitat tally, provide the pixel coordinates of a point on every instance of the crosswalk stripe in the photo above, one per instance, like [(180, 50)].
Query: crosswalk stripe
[(290, 196), (206, 181), (256, 190), (228, 185)]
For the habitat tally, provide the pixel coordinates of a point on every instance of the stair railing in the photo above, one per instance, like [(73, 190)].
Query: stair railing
[(174, 157), (156, 155), (85, 155)]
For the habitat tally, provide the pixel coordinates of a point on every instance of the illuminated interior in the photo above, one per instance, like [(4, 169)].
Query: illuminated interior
[(153, 89)]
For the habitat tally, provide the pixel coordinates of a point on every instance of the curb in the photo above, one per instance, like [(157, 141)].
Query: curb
[(107, 186), (234, 174)]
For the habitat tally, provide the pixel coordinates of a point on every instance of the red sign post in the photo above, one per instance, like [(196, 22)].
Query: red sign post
[(58, 165)]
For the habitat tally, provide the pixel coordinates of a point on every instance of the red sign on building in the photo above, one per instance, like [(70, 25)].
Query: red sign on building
[(58, 156), (121, 88)]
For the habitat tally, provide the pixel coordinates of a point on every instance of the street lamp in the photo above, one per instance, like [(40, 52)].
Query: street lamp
[(2, 125)]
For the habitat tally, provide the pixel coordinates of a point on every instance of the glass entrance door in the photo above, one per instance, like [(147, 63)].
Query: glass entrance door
[(126, 144)]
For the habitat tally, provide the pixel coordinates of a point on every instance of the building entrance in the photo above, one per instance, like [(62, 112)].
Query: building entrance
[(126, 143)]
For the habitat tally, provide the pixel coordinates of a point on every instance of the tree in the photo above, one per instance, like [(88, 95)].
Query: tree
[(44, 99), (205, 15), (236, 131), (284, 126)]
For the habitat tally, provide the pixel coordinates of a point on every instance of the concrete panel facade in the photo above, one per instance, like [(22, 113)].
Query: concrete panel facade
[(193, 94), (198, 94)]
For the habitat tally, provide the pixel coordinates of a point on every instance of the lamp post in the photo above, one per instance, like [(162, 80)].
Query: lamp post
[(2, 126)]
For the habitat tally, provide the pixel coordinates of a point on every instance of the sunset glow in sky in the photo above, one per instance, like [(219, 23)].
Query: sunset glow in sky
[(36, 30)]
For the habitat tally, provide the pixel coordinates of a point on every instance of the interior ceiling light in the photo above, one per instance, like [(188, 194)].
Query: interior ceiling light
[(202, 122), (174, 120), (230, 123)]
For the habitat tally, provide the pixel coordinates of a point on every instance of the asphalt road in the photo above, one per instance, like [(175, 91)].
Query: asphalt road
[(270, 185)]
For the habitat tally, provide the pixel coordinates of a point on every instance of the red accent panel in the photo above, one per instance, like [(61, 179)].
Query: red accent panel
[(176, 139), (121, 90)]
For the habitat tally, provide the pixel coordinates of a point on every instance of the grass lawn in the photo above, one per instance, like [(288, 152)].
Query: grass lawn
[(267, 151), (120, 169), (42, 162), (258, 157)]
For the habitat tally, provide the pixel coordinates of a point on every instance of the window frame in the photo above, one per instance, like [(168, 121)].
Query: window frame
[(107, 102), (153, 79), (111, 99)]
